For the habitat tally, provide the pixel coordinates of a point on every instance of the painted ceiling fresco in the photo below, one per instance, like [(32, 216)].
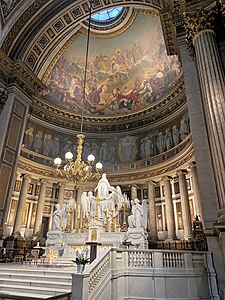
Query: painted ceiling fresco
[(125, 73)]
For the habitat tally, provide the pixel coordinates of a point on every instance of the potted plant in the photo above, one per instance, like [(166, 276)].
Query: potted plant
[(81, 259)]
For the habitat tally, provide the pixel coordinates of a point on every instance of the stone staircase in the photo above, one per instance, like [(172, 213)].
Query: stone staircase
[(35, 281)]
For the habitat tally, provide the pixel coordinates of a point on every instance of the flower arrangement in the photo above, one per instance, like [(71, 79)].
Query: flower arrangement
[(81, 257)]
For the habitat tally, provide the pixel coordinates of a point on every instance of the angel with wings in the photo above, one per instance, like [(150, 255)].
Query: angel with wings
[(138, 219)]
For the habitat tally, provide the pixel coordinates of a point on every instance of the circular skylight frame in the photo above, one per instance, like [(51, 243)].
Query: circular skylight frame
[(107, 17)]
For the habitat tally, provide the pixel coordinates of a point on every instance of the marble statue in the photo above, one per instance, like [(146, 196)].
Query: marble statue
[(85, 203), (138, 219), (56, 223), (65, 216), (103, 188)]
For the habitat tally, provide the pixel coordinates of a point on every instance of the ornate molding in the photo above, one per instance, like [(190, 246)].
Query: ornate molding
[(201, 19), (16, 72), (3, 98)]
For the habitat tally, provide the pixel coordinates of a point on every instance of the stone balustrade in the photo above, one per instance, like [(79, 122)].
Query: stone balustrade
[(128, 274)]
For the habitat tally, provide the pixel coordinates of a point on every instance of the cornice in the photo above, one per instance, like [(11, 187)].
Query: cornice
[(16, 72)]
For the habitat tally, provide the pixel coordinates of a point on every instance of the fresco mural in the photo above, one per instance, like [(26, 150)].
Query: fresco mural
[(124, 149), (125, 73)]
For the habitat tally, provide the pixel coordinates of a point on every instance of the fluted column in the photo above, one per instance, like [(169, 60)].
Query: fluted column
[(61, 194), (185, 205), (40, 206), (200, 31), (133, 191), (169, 209), (196, 191), (21, 203), (152, 210)]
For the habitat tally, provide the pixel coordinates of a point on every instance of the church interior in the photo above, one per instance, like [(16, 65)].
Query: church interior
[(112, 126)]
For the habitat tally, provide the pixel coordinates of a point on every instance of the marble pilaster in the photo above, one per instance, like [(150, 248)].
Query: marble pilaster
[(21, 203), (185, 205)]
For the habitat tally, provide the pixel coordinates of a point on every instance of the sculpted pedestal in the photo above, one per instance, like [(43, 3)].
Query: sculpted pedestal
[(138, 237)]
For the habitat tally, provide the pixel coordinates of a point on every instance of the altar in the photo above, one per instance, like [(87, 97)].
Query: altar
[(109, 219)]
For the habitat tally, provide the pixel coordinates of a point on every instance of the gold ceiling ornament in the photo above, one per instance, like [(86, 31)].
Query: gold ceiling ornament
[(201, 19), (78, 171)]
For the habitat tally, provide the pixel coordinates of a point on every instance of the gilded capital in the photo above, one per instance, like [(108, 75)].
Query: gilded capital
[(201, 19)]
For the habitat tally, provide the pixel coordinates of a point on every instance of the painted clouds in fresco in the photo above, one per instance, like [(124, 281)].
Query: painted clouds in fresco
[(125, 73)]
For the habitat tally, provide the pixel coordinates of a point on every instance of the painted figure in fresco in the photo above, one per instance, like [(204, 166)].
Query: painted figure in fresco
[(103, 152), (86, 151), (48, 144), (168, 139), (160, 142), (176, 135), (95, 151), (112, 156), (148, 147), (127, 148), (68, 147), (29, 137), (55, 147), (184, 128), (38, 141), (142, 148)]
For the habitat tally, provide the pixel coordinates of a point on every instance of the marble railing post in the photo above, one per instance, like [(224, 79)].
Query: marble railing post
[(40, 206), (196, 191), (200, 32), (21, 203), (152, 210), (185, 205), (169, 208), (133, 191), (61, 194)]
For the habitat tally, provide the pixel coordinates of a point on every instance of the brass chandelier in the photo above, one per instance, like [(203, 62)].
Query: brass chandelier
[(79, 171)]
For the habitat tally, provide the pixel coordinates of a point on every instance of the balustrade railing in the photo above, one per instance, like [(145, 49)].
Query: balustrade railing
[(100, 274)]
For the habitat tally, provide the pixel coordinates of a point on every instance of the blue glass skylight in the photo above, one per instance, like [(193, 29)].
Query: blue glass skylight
[(107, 15)]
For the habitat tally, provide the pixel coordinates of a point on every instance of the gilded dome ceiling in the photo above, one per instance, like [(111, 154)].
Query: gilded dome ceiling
[(128, 69)]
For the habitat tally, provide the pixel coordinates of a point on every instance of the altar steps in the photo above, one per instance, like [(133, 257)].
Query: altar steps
[(34, 281)]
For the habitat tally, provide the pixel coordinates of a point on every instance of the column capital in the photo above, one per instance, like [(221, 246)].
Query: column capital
[(201, 20), (25, 176), (166, 177), (43, 180), (152, 182), (192, 165), (182, 172)]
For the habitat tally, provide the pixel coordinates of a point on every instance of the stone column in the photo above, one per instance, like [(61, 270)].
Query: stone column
[(40, 206), (196, 191), (169, 209), (80, 188), (21, 203), (152, 210), (61, 194), (185, 205), (133, 191), (201, 35)]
